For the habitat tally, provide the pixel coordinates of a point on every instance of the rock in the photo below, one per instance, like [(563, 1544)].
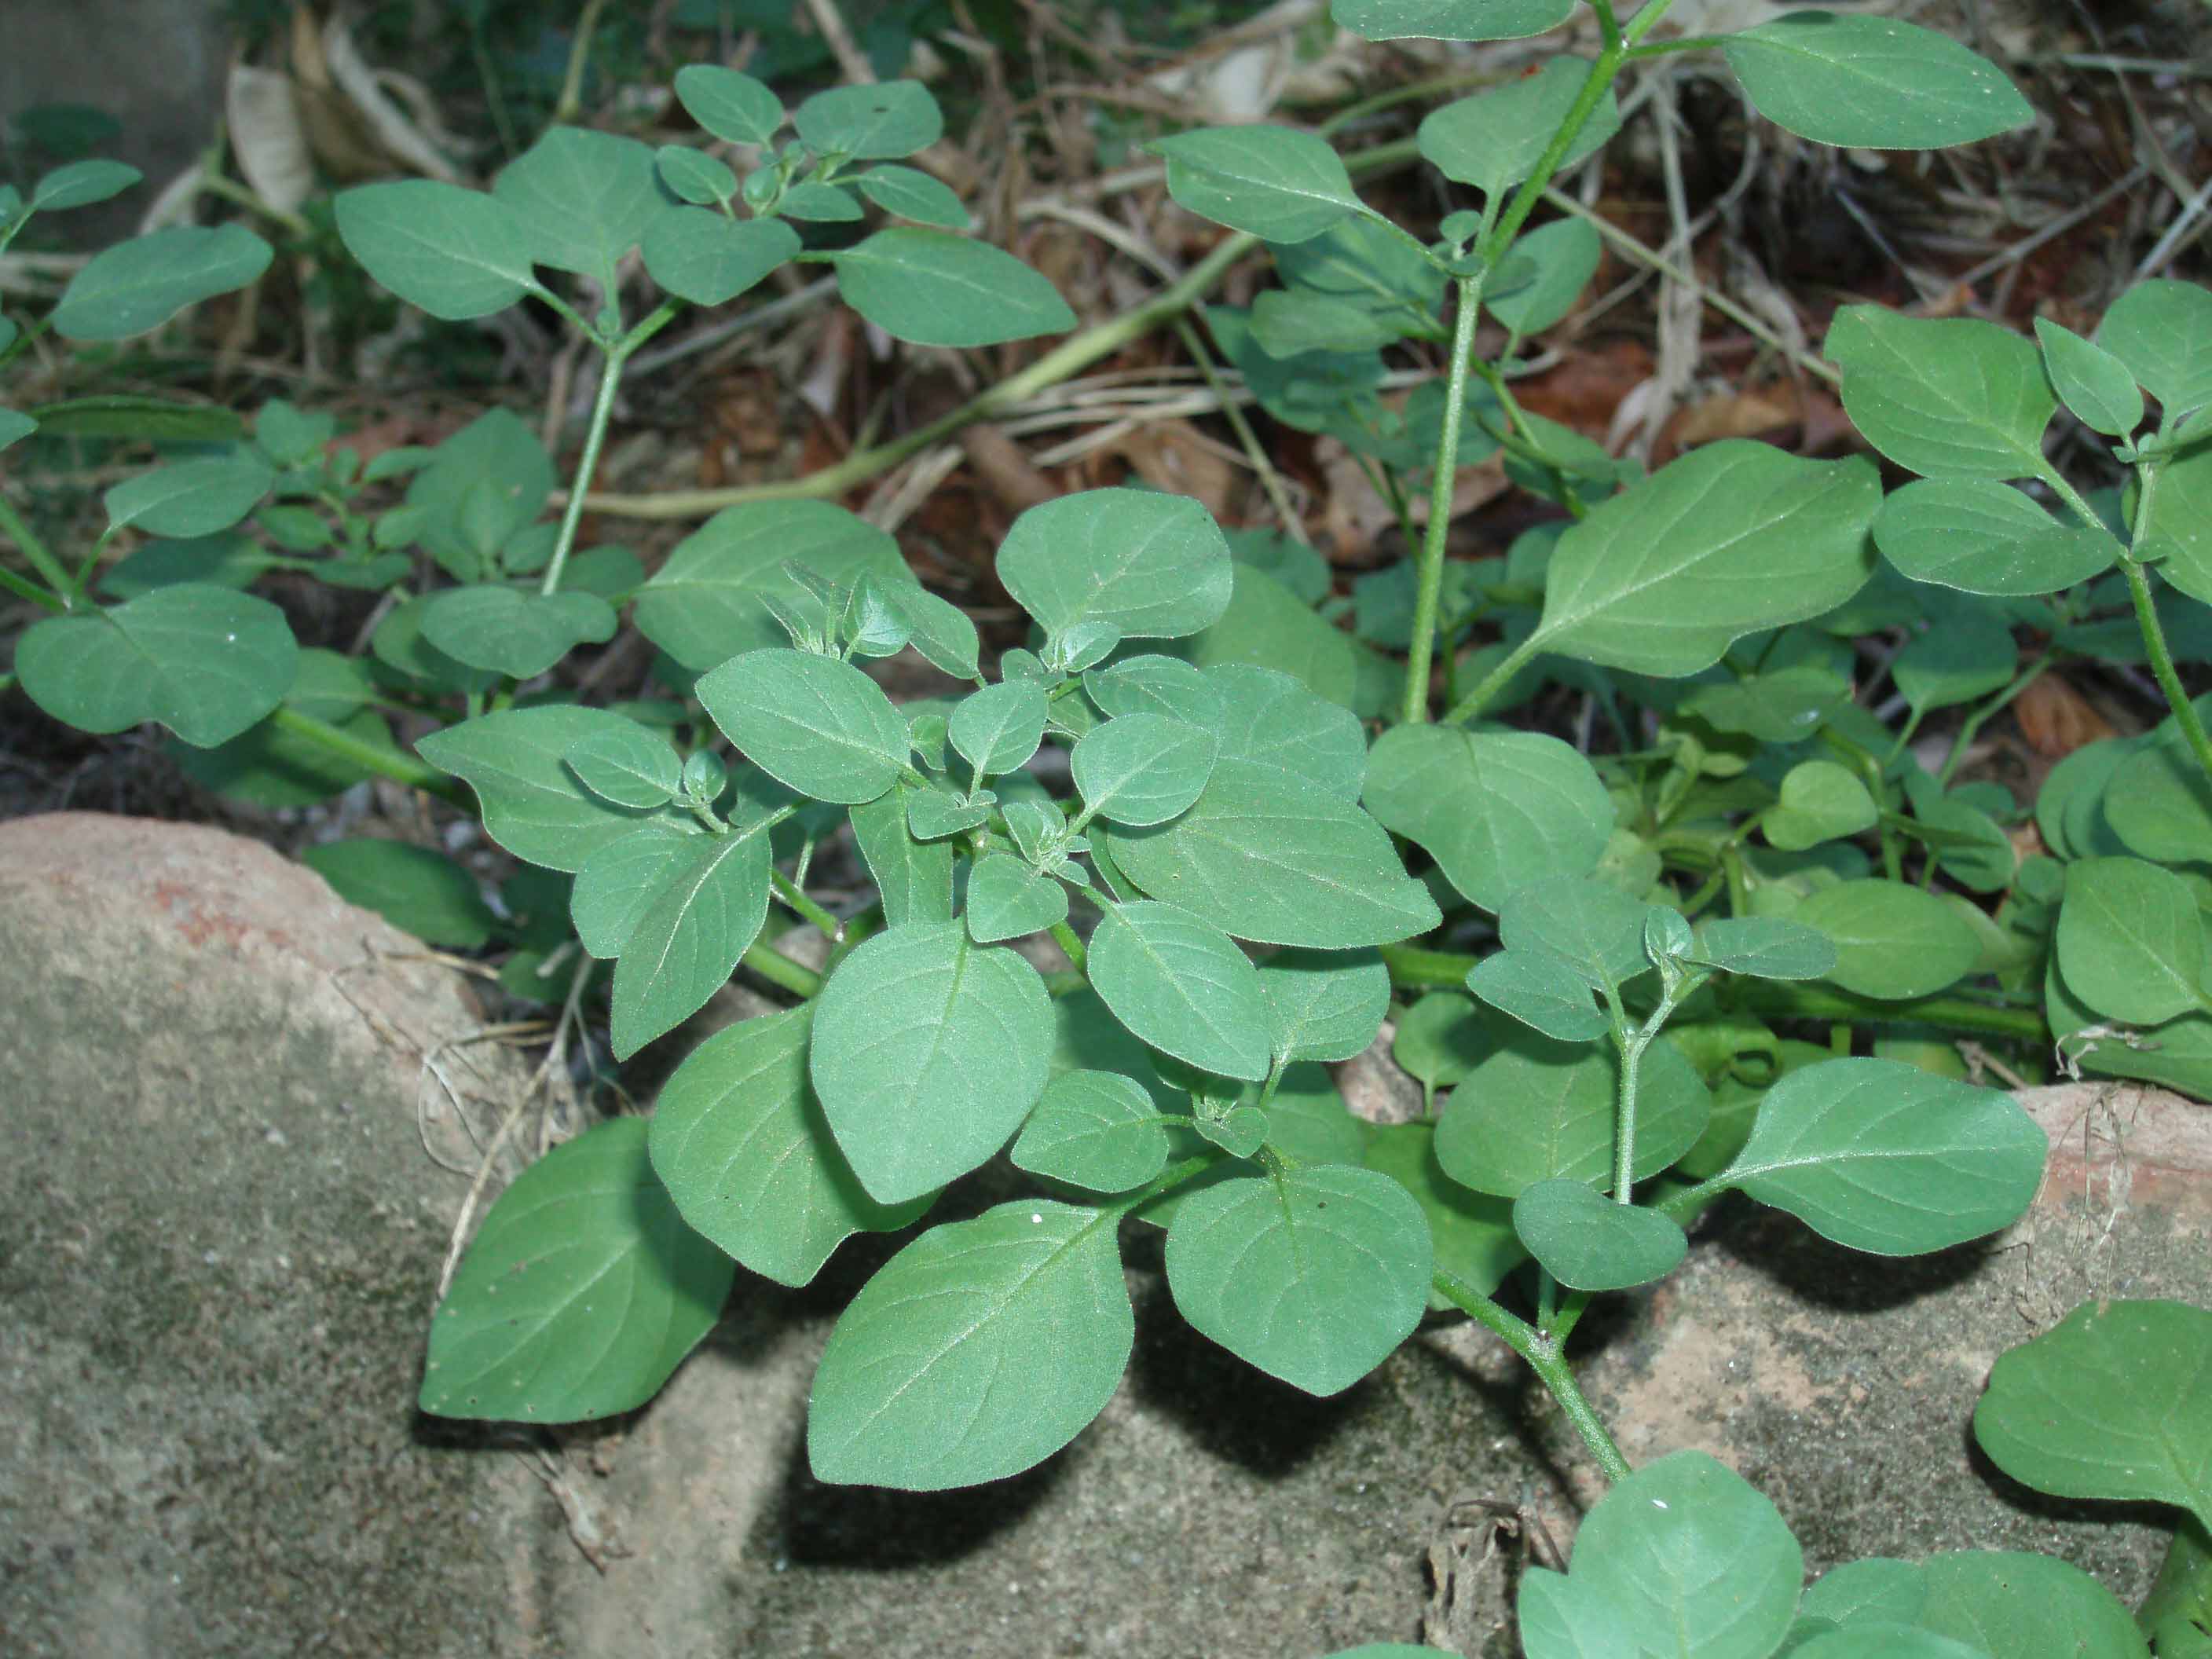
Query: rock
[(219, 1239), (219, 1249)]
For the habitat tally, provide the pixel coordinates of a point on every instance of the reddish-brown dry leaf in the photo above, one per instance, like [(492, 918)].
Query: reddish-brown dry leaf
[(2056, 720)]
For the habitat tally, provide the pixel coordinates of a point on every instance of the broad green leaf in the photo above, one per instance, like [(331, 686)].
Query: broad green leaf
[(204, 661), (1377, 266), (1959, 660), (686, 942), (977, 1350), (1699, 1561), (933, 287), (704, 604), (512, 632), (81, 184), (2113, 1402), (1539, 991), (14, 427), (2130, 941), (1562, 1618), (1727, 539), (583, 199), (1494, 140), (1315, 1276), (816, 723), (1566, 254), (1007, 899), (455, 253), (1882, 1157), (533, 805), (1783, 707), (913, 876), (699, 255), (2089, 380), (620, 881), (1872, 1590), (1496, 810), (1324, 1005), (1440, 1040), (1450, 20), (1240, 1132), (1539, 1111), (582, 1291), (2178, 1054), (225, 560), (1267, 626), (928, 1052), (1820, 800), (1892, 941), (1871, 83), (1765, 947), (630, 766), (693, 176), (740, 1143), (1142, 768), (190, 498), (820, 203), (1270, 719), (1184, 986), (885, 121), (1157, 685), (1266, 858), (1147, 565), (481, 486), (1275, 182), (1880, 1640), (266, 765), (1588, 1242), (937, 627), (2162, 332), (2159, 803), (998, 728), (2176, 526), (417, 889), (1951, 396), (1097, 1130), (2013, 1602), (1981, 536), (729, 105), (140, 284), (933, 814), (1288, 322), (913, 194), (1473, 1232), (1593, 928)]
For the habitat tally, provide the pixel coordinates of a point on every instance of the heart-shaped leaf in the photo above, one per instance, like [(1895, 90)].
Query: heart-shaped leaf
[(1820, 801), (708, 259), (2162, 331), (1315, 1276), (2115, 1401), (885, 121), (914, 1388), (998, 728), (1184, 986), (1539, 991), (929, 1051), (818, 725), (507, 631), (729, 105), (1147, 564), (1588, 1242), (202, 661), (583, 199), (1951, 396), (739, 1141), (1325, 1005), (582, 1291), (1882, 1157)]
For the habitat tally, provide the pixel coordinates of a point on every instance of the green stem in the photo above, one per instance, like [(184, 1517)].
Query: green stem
[(1594, 86), (1973, 723), (1494, 682), (1247, 439), (780, 971), (1548, 1362), (1630, 1046), (2162, 663), (793, 898), (370, 757), (1414, 967), (602, 407), (1429, 593), (26, 589), (1064, 936), (42, 561)]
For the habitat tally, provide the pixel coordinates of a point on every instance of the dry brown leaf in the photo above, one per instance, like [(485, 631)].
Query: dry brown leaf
[(268, 136), (1005, 469), (1586, 386), (1172, 455), (2056, 720)]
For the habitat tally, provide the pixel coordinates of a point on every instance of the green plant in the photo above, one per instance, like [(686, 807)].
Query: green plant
[(1640, 929)]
